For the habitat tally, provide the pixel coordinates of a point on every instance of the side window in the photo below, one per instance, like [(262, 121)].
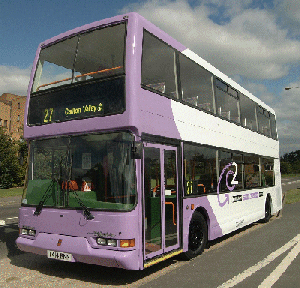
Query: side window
[(225, 158), (263, 119), (252, 174), (158, 66), (273, 126), (267, 173), (196, 86), (227, 102), (238, 159), (199, 170), (248, 117)]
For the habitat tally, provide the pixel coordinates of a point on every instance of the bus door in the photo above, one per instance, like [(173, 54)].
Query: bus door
[(161, 227)]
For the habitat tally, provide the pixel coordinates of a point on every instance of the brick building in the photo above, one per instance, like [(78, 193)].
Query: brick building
[(12, 109)]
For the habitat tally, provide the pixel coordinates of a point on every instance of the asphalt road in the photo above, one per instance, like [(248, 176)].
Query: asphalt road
[(253, 256)]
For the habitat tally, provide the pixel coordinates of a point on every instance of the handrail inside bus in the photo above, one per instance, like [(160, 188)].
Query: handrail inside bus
[(82, 75), (173, 206)]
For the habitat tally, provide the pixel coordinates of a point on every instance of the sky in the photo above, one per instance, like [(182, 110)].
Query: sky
[(254, 42)]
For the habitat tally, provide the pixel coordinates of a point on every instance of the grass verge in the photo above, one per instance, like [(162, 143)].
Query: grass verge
[(289, 175), (11, 192), (292, 196)]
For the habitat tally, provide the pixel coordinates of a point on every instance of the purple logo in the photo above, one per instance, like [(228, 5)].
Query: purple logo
[(230, 187)]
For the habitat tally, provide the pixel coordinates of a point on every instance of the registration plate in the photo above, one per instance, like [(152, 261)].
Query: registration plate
[(59, 255)]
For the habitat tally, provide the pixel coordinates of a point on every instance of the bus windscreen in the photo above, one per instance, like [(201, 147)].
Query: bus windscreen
[(80, 77), (96, 168)]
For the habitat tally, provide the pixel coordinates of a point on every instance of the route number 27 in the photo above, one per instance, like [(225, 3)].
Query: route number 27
[(48, 115)]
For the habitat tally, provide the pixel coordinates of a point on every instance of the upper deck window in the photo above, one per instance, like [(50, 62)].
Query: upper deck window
[(84, 75), (248, 112), (158, 66), (273, 126), (227, 102), (92, 55), (196, 85), (263, 119)]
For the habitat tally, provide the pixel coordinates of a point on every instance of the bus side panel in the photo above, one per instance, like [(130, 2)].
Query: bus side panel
[(214, 229)]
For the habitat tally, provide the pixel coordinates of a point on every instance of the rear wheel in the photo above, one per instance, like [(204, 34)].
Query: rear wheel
[(197, 236), (267, 210)]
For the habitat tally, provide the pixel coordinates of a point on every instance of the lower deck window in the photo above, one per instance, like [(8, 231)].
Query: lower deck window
[(208, 170), (199, 170)]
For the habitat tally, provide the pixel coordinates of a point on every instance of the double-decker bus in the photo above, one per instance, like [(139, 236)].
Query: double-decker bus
[(139, 149)]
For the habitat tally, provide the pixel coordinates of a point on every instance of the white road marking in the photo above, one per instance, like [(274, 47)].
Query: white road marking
[(3, 222), (242, 276), (275, 275)]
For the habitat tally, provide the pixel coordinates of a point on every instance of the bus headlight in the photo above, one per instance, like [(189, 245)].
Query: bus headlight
[(101, 241), (30, 231), (24, 231), (112, 242)]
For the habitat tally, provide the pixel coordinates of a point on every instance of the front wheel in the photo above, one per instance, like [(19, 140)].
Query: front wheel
[(197, 236)]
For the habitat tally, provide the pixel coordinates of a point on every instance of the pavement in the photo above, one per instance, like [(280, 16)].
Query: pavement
[(6, 203), (10, 200)]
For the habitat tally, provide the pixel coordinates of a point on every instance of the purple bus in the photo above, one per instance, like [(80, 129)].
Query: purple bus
[(139, 149)]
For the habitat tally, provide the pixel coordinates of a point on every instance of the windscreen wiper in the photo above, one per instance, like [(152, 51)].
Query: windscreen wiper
[(87, 212), (45, 197)]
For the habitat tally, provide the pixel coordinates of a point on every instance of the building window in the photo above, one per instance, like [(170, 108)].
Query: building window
[(19, 106), (0, 122), (18, 118), (5, 123)]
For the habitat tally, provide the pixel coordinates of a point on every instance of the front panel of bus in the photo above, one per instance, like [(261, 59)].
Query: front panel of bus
[(80, 199)]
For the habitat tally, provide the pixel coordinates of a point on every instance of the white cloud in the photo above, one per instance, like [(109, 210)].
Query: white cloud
[(14, 80), (250, 43), (288, 12)]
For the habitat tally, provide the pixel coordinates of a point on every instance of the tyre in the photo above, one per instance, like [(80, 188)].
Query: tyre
[(267, 211), (197, 236)]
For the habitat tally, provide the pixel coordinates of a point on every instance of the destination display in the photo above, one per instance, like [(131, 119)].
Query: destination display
[(77, 102)]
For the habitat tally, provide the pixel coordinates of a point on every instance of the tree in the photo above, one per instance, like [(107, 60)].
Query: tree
[(286, 168), (11, 172), (290, 162)]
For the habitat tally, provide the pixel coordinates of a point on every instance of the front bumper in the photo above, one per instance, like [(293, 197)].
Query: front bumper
[(81, 250)]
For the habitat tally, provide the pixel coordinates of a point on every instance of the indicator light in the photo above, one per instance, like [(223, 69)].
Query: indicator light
[(126, 243)]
